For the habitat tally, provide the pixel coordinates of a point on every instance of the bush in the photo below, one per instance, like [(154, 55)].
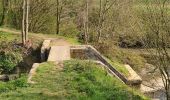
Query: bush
[(10, 56), (69, 29), (130, 41), (105, 47), (8, 61), (20, 82)]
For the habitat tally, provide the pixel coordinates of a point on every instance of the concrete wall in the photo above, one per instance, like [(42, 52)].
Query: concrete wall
[(89, 52)]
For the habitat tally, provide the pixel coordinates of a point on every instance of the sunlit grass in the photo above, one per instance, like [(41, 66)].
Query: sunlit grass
[(5, 36), (119, 67), (76, 80), (40, 36)]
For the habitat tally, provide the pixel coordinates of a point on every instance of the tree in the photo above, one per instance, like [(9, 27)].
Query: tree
[(5, 4), (42, 16), (58, 18), (104, 7), (86, 23), (157, 35), (25, 21), (60, 5)]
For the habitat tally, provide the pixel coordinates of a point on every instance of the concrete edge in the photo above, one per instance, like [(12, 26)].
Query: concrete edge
[(111, 69), (134, 78), (102, 59), (45, 49), (32, 73)]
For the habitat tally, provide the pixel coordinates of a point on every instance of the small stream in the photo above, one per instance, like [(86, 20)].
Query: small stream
[(152, 83)]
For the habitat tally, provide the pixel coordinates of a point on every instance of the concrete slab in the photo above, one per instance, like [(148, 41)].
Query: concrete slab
[(134, 78), (44, 50), (59, 53)]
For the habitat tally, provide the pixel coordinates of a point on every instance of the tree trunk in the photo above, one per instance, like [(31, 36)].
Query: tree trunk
[(99, 30), (5, 4), (27, 20), (86, 22), (23, 22), (57, 19)]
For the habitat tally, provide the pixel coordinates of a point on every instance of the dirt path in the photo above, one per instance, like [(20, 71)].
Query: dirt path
[(59, 42), (55, 41), (10, 31)]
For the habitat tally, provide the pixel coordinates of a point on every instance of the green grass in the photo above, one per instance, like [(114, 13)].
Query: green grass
[(6, 87), (131, 57), (119, 67), (76, 80), (4, 36), (70, 40), (41, 35)]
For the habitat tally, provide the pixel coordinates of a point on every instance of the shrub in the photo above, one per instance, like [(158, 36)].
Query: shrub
[(20, 82), (10, 56), (130, 41), (69, 30), (105, 47), (8, 61)]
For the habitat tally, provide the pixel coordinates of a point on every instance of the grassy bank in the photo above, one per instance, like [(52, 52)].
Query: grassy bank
[(75, 80)]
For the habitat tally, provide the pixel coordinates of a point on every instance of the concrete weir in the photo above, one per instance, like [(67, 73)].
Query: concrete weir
[(87, 52), (83, 52)]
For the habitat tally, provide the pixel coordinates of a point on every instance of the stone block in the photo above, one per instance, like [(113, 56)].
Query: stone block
[(134, 78)]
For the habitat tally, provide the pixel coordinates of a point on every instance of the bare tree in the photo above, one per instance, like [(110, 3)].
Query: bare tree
[(27, 20), (156, 23), (86, 23), (25, 23), (59, 5), (104, 7), (58, 19), (5, 4)]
